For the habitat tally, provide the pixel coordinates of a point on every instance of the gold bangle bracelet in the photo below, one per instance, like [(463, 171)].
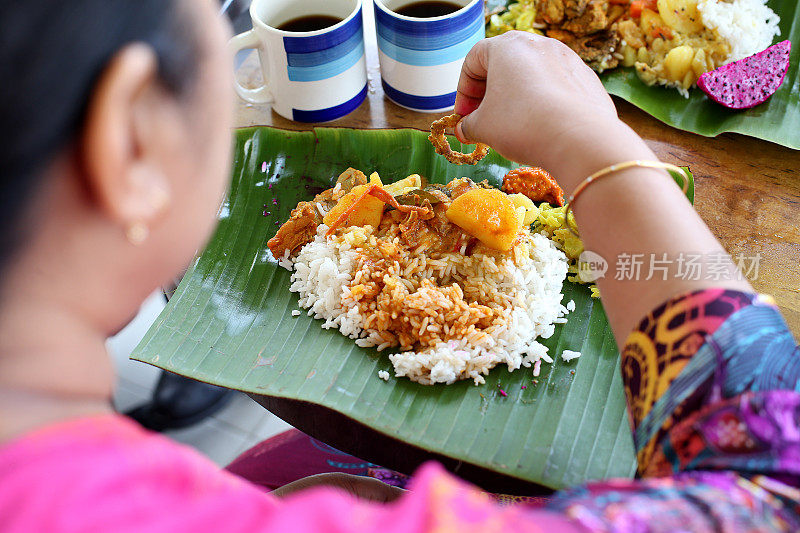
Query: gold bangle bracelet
[(618, 168)]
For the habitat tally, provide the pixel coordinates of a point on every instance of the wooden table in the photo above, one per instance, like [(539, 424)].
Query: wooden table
[(747, 191)]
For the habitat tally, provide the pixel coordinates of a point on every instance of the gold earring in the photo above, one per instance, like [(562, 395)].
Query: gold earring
[(159, 199), (137, 233)]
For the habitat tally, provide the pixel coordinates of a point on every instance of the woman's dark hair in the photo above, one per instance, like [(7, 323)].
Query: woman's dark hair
[(51, 55)]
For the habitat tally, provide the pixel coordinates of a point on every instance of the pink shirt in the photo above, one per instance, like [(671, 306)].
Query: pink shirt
[(108, 474)]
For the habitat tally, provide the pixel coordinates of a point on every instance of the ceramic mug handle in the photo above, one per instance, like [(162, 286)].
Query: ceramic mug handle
[(260, 95)]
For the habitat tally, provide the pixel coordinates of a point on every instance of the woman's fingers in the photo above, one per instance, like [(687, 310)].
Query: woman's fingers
[(460, 132), (472, 82), (471, 91), (467, 104)]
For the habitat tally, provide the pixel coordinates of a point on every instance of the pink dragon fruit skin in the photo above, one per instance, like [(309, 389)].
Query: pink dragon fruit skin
[(750, 81)]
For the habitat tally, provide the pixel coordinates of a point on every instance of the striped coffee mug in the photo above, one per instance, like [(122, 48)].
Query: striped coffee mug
[(421, 58), (314, 76)]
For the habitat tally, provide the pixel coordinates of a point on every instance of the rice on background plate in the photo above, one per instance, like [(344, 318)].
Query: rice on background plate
[(749, 26)]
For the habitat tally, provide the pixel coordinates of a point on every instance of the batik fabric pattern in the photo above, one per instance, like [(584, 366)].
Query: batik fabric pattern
[(711, 380)]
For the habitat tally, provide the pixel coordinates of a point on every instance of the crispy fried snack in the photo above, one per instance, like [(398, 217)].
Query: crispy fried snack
[(535, 183), (442, 147)]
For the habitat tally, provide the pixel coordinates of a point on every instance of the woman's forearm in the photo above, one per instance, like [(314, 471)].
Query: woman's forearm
[(642, 225)]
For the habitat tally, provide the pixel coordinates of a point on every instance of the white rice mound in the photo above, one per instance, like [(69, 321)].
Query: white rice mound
[(324, 268), (748, 25)]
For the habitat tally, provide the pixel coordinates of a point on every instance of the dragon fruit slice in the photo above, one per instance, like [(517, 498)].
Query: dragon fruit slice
[(750, 81)]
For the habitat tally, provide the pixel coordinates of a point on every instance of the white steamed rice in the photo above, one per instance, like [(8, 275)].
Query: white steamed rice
[(324, 268), (748, 25)]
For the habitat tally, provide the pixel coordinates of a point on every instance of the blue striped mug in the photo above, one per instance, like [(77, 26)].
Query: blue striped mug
[(421, 58), (314, 76)]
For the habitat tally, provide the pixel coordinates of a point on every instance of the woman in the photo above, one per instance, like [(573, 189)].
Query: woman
[(116, 118)]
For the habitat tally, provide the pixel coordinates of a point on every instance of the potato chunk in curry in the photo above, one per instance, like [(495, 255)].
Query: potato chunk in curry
[(488, 215), (361, 209)]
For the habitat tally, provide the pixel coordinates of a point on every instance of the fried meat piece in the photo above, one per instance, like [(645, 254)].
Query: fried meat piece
[(592, 20), (575, 8), (550, 11), (535, 183), (296, 232), (597, 50)]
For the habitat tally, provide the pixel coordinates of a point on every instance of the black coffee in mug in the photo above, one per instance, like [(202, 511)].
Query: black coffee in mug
[(428, 9), (310, 23)]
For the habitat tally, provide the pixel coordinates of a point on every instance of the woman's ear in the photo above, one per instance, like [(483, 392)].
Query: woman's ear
[(125, 111)]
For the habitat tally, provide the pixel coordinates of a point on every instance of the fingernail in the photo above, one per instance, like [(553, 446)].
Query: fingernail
[(460, 132)]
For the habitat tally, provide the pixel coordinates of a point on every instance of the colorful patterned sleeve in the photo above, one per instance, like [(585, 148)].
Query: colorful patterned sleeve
[(711, 380)]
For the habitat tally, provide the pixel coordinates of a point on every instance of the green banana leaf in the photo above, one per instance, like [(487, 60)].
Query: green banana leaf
[(230, 324), (777, 120)]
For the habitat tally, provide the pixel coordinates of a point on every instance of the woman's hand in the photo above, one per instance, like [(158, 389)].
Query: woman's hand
[(534, 101), (362, 487)]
